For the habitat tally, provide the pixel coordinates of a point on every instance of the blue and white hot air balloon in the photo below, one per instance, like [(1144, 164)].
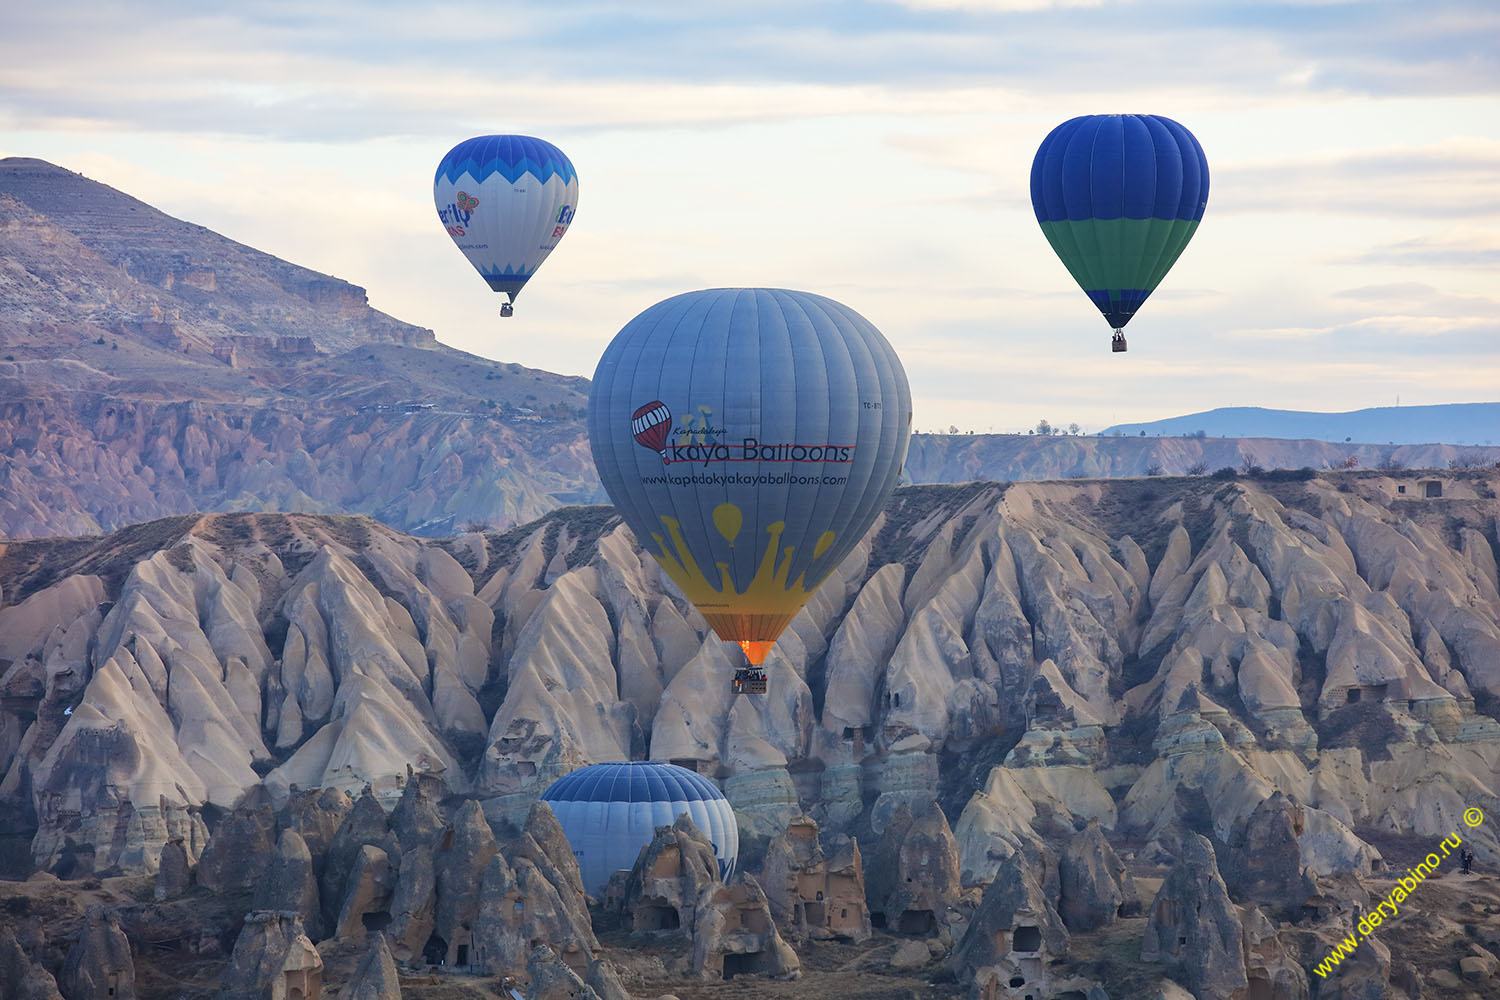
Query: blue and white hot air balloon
[(610, 811), (507, 200)]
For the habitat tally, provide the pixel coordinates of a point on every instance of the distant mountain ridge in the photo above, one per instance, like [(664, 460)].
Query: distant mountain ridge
[(1448, 423)]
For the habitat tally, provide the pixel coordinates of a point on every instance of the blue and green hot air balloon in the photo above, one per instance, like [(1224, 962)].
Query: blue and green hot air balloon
[(749, 437), (506, 200), (1118, 197)]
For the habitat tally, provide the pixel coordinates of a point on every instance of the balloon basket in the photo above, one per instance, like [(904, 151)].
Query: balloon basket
[(507, 310), (748, 681), (1117, 345)]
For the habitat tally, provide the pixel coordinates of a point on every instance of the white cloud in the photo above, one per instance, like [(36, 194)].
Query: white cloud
[(877, 153)]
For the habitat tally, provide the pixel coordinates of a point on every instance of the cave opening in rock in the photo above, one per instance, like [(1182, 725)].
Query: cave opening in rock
[(661, 918), (917, 922), (735, 965), (435, 951), (1028, 938)]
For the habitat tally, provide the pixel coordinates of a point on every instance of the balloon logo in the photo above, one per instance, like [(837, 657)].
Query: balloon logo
[(530, 190), (651, 424), (800, 420), (1119, 197)]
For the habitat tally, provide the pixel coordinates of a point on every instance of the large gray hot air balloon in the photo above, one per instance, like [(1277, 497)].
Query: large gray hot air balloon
[(749, 437)]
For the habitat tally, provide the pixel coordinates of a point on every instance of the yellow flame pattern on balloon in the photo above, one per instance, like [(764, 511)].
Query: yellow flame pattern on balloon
[(755, 616)]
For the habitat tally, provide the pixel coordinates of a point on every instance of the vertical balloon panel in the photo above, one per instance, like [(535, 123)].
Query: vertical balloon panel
[(789, 415)]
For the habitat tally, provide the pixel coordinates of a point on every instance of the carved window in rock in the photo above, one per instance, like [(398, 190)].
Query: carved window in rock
[(1028, 938)]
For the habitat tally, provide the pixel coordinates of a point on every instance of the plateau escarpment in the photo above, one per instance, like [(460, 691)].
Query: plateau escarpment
[(150, 367)]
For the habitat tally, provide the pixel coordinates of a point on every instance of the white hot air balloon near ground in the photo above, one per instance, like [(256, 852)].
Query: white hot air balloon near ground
[(610, 811)]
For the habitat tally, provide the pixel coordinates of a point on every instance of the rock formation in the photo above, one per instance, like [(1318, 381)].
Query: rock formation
[(416, 820), (288, 883), (272, 958), (20, 977), (925, 887), (99, 964), (459, 863), (375, 977), (174, 873), (364, 826), (1015, 934), (1094, 885), (670, 880), (1263, 863), (812, 894), (734, 934), (1193, 928), (367, 894), (1160, 657), (520, 909), (412, 905)]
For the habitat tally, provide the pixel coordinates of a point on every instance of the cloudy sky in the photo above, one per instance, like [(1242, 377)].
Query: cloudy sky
[(878, 153)]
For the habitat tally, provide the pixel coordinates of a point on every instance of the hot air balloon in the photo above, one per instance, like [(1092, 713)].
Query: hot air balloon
[(506, 200), (749, 437), (610, 811), (1118, 197)]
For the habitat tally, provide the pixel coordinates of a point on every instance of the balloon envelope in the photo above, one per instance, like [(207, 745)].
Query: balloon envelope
[(749, 437), (610, 811), (1118, 197), (506, 200)]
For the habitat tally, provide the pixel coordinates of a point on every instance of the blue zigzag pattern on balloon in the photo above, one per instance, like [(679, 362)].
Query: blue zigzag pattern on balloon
[(510, 156)]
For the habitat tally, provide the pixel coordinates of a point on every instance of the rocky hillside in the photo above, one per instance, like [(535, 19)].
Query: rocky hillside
[(150, 367), (1143, 664), (1118, 644)]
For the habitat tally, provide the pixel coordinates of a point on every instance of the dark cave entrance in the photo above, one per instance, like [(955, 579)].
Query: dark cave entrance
[(917, 922)]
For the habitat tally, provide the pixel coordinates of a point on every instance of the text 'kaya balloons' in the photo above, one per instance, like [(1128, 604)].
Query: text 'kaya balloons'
[(506, 200), (1118, 197), (749, 437)]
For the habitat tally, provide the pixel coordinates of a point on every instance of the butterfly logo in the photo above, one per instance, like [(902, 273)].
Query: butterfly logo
[(466, 203)]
